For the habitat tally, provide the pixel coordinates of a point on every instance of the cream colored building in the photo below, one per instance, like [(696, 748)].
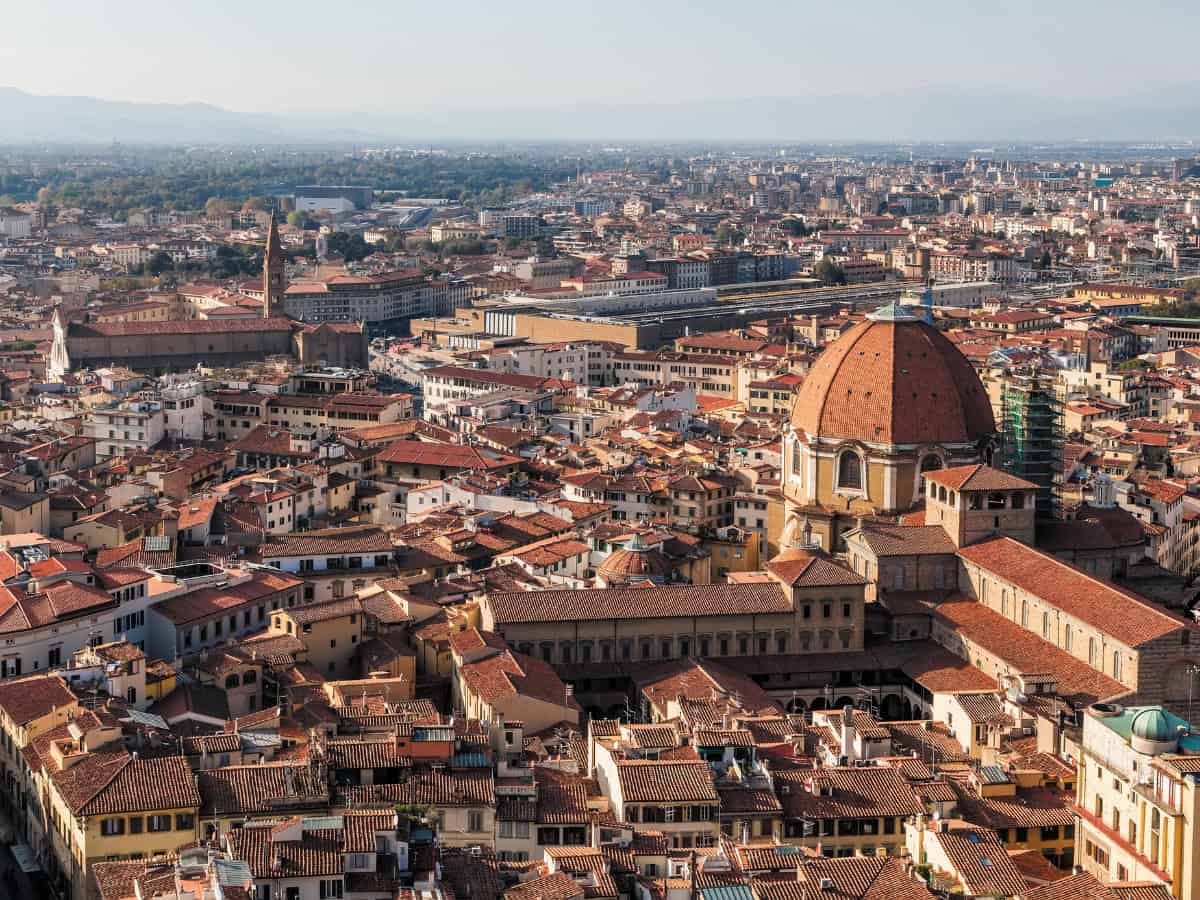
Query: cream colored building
[(888, 400)]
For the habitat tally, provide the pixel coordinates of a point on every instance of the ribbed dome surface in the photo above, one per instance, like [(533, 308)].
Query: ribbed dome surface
[(627, 564), (1151, 725), (894, 381)]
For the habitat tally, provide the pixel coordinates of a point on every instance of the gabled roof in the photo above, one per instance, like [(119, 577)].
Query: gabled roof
[(1131, 619), (804, 568), (652, 781), (978, 477)]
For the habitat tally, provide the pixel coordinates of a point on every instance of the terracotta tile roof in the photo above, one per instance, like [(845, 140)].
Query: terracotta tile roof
[(699, 681), (1086, 886), (355, 539), (429, 787), (114, 781), (317, 853), (983, 708), (1046, 763), (145, 784), (259, 789), (856, 793), (802, 568), (1029, 808), (359, 828), (555, 886), (978, 477), (211, 601), (1025, 652), (669, 601), (767, 857), (653, 737), (930, 739), (739, 800), (1122, 614), (940, 671), (26, 699), (651, 781), (211, 743), (179, 327), (449, 456), (857, 877), (321, 612), (364, 754), (562, 797), (116, 880), (508, 674), (860, 384), (980, 861), (906, 540)]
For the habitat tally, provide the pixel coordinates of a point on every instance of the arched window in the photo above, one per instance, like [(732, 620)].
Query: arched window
[(931, 463), (250, 677), (131, 695), (1068, 641), (1116, 670), (850, 471), (232, 681), (795, 457)]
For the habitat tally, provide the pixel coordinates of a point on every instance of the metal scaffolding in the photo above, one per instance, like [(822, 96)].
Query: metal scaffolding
[(1032, 433)]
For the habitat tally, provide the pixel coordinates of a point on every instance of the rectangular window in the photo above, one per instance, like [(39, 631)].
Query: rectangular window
[(110, 827), (158, 823), (185, 822), (330, 889)]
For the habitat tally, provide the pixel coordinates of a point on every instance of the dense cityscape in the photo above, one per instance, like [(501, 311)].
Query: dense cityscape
[(637, 521)]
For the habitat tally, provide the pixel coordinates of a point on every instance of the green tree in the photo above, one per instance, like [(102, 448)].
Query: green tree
[(1027, 210), (254, 204), (160, 262), (351, 247), (296, 219), (829, 272)]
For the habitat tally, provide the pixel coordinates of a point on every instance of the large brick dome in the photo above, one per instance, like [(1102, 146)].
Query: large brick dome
[(894, 380)]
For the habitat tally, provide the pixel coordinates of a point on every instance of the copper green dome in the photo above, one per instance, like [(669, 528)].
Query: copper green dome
[(1152, 725)]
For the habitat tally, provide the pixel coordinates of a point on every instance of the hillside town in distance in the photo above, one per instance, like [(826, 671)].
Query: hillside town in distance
[(635, 523)]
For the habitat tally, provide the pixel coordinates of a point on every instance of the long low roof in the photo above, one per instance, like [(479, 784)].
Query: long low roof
[(670, 601), (1131, 619), (184, 326)]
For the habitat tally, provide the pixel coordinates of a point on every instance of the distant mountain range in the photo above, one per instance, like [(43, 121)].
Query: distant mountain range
[(937, 114)]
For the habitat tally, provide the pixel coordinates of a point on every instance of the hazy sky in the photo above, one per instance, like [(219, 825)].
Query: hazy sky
[(391, 54)]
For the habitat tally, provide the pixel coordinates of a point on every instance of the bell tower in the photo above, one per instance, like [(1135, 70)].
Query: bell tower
[(273, 285)]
